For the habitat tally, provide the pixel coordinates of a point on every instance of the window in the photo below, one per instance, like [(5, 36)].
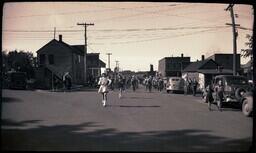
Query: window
[(42, 59), (51, 59)]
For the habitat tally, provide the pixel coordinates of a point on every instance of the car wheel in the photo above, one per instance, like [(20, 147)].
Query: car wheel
[(246, 108), (168, 91)]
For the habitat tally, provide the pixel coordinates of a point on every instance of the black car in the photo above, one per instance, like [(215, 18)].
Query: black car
[(234, 88)]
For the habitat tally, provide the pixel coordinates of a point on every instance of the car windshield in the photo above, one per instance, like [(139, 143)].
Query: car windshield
[(237, 81)]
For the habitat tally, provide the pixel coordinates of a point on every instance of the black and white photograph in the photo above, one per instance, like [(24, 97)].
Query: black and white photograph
[(127, 76)]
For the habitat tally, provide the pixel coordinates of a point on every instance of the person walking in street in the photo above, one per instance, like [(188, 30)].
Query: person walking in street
[(186, 87), (189, 86), (120, 84), (150, 83), (209, 96), (104, 82), (160, 84), (219, 89), (146, 83), (133, 81), (67, 81), (194, 86)]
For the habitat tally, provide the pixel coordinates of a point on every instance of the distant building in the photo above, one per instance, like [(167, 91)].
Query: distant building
[(57, 57), (203, 71), (226, 60), (127, 73), (151, 71), (172, 66)]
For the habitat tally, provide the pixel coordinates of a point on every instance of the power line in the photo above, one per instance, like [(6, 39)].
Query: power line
[(115, 30), (81, 12), (136, 36), (165, 37)]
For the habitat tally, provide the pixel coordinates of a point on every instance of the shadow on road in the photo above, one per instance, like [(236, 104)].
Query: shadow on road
[(10, 99), (130, 97), (78, 138), (8, 122), (131, 106), (76, 90), (227, 107)]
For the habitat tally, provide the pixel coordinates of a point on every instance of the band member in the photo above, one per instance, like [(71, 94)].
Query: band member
[(104, 82), (120, 83)]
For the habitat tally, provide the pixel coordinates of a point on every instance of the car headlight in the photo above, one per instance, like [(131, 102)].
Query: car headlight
[(242, 93)]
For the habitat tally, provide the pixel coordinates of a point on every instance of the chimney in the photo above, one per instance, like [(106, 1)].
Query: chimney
[(181, 55), (60, 38), (202, 58)]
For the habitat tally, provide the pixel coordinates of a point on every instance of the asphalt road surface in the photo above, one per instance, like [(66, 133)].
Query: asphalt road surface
[(139, 121)]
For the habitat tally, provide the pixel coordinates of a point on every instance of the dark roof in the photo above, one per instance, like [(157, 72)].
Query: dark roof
[(92, 54), (102, 64), (215, 71), (52, 41), (223, 54), (75, 48), (176, 58), (58, 71), (79, 49), (226, 54), (195, 66)]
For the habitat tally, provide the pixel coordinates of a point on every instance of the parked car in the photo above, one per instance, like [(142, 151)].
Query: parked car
[(175, 84), (247, 104), (234, 88), (16, 80)]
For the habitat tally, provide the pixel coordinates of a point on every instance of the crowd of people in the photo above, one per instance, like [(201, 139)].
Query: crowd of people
[(122, 83), (190, 86)]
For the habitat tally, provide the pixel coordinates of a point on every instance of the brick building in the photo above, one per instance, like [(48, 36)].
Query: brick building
[(172, 66), (226, 60)]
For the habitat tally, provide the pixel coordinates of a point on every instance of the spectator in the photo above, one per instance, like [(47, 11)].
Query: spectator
[(194, 86)]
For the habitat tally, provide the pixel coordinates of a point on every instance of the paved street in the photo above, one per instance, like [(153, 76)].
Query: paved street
[(43, 120)]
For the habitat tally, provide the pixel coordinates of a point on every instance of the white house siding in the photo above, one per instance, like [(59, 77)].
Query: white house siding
[(190, 75), (201, 81)]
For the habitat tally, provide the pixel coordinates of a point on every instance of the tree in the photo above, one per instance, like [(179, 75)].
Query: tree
[(247, 52), (19, 61)]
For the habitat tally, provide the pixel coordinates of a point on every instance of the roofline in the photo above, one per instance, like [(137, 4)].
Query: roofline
[(225, 54), (60, 42), (46, 45), (93, 53), (200, 66)]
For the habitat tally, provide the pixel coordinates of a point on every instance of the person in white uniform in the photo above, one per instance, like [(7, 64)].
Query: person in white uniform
[(104, 82)]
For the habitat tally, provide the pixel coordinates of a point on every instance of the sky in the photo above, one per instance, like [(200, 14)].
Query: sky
[(136, 33)]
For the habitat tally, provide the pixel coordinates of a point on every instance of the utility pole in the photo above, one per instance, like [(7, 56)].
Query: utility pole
[(85, 47), (109, 60), (117, 65), (54, 32), (235, 34)]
